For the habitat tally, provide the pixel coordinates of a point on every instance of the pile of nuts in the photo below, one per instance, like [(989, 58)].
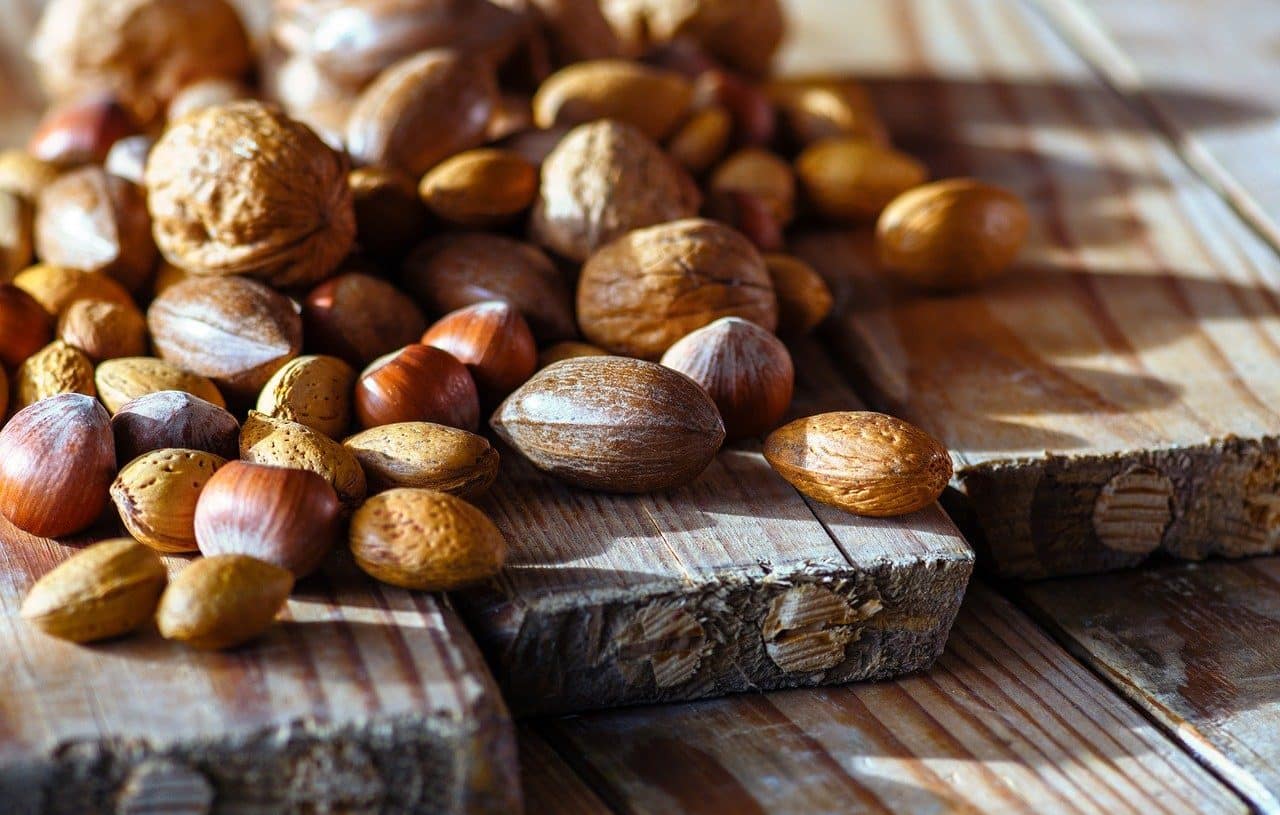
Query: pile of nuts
[(567, 214)]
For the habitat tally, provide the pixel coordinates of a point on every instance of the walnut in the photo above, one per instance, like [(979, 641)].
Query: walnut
[(744, 34), (243, 189)]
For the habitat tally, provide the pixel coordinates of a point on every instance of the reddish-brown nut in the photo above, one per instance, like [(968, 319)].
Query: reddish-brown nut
[(753, 114), (81, 131), (477, 188), (358, 318), (493, 341), (17, 226), (127, 158), (390, 218), (702, 139), (751, 214), (173, 419), (55, 287), (653, 100), (422, 110), (804, 299), (741, 33), (512, 116), (762, 173), (57, 461), (25, 326), (104, 330), (206, 93), (853, 179), (418, 383), (291, 518), (577, 30)]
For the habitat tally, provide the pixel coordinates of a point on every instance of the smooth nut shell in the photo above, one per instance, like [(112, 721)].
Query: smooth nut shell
[(359, 318), (282, 443), (173, 419), (863, 462), (127, 159), (222, 601), (81, 130), (102, 591), (390, 218), (811, 109), (25, 326), (651, 99), (612, 424), (853, 179), (493, 341), (426, 455), (311, 390), (56, 368), (762, 173), (17, 225), (702, 139), (55, 288), (104, 330), (156, 496), (483, 187), (122, 380), (569, 349), (804, 299), (418, 383)]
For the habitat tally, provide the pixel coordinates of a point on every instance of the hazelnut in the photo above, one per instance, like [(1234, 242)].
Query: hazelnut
[(17, 224), (752, 113), (57, 460), (81, 131), (815, 108), (311, 390), (290, 518), (493, 341), (744, 34), (127, 158), (359, 318), (745, 370), (173, 419), (156, 496), (653, 100), (534, 145), (283, 443), (762, 173), (853, 179), (266, 197), (418, 383), (25, 326), (426, 455), (56, 288), (56, 368), (702, 139), (422, 110), (205, 93), (804, 299), (24, 175), (390, 218), (569, 349), (755, 216), (478, 188), (641, 293), (104, 330), (222, 601)]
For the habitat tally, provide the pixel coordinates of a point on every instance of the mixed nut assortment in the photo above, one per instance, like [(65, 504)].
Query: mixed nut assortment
[(568, 215)]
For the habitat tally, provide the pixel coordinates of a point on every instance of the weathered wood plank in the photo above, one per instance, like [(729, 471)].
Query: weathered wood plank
[(1005, 722), (1117, 394), (551, 787)]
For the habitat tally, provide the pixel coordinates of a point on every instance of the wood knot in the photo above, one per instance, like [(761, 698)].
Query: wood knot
[(1133, 510), (669, 639), (165, 787), (808, 627)]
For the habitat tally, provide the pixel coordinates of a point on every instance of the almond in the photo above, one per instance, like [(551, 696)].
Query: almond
[(122, 380), (851, 180), (282, 443), (156, 495), (426, 455), (653, 100), (222, 601), (311, 390)]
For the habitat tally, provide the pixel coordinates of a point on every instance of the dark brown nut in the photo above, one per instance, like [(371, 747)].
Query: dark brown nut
[(120, 381), (206, 93), (513, 115), (167, 276), (16, 230), (493, 341), (743, 34), (25, 327), (652, 100), (455, 271), (235, 331), (763, 174), (96, 222), (418, 383), (358, 318), (479, 188), (534, 145), (173, 419), (612, 424), (641, 293), (390, 218), (104, 330), (577, 30), (127, 158), (853, 179), (55, 288), (702, 139), (426, 456), (81, 131), (815, 108), (569, 349), (755, 122), (752, 215), (283, 443), (143, 50), (25, 175), (314, 391), (804, 299), (56, 368), (267, 198), (603, 180), (422, 110)]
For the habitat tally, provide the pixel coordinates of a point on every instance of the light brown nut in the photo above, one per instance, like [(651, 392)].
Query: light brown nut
[(702, 139), (311, 390), (482, 187), (745, 34), (862, 462), (17, 223), (282, 443), (222, 601), (603, 180), (122, 380), (612, 424), (359, 318), (425, 540), (763, 174), (569, 349), (853, 179), (156, 495), (745, 370), (104, 590), (56, 368), (81, 130), (426, 455), (127, 159), (25, 327), (641, 293), (25, 175), (804, 299), (267, 198), (493, 341), (55, 288), (653, 100), (811, 109), (422, 110), (205, 93), (173, 419), (390, 218), (952, 234), (104, 330)]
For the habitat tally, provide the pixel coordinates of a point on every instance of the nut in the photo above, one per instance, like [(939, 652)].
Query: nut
[(167, 276), (534, 145), (480, 187), (418, 383), (243, 189), (804, 299), (205, 93), (81, 131), (652, 100), (291, 518), (577, 30), (104, 330), (102, 591), (282, 443), (359, 318), (122, 380), (603, 180), (127, 158), (514, 114), (569, 349), (815, 108), (762, 173), (56, 368), (742, 33), (862, 462), (24, 175), (173, 419), (853, 179), (745, 370), (425, 540), (751, 214), (55, 288), (648, 289), (390, 218), (754, 119), (25, 326), (455, 271), (493, 341), (426, 455), (156, 495), (702, 139), (57, 460), (312, 390), (308, 94), (612, 424), (235, 331), (422, 110), (17, 224), (222, 601), (952, 234)]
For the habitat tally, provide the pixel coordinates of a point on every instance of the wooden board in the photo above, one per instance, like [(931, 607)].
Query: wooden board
[(551, 787), (1116, 395), (1006, 722), (732, 583), (365, 699)]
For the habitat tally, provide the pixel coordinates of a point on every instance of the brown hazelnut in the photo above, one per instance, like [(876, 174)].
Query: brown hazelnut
[(55, 287), (24, 174), (702, 139), (81, 131), (120, 381), (641, 293), (17, 223), (569, 349), (390, 218), (56, 368), (266, 197), (127, 158), (358, 318), (853, 179), (205, 93), (744, 34), (477, 188), (804, 299), (104, 330), (25, 327), (418, 383), (534, 145), (493, 341), (173, 419), (762, 173), (749, 213), (750, 109), (652, 100)]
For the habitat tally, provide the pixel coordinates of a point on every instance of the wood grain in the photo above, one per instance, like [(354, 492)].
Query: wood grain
[(551, 787), (1006, 722), (1116, 395)]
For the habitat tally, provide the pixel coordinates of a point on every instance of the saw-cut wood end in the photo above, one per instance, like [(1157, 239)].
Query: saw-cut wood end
[(164, 787), (1133, 510), (669, 638), (808, 627)]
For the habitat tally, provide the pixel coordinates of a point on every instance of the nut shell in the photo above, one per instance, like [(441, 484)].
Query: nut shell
[(81, 130), (55, 288), (483, 187), (811, 109), (425, 455), (418, 383), (311, 390), (17, 224), (493, 341), (853, 179), (653, 100), (104, 330), (222, 601), (25, 326), (24, 175), (359, 318), (56, 368), (282, 443), (804, 299), (173, 419), (156, 496), (123, 380)]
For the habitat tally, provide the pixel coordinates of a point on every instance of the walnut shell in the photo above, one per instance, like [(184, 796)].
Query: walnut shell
[(603, 180), (243, 189), (641, 293)]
